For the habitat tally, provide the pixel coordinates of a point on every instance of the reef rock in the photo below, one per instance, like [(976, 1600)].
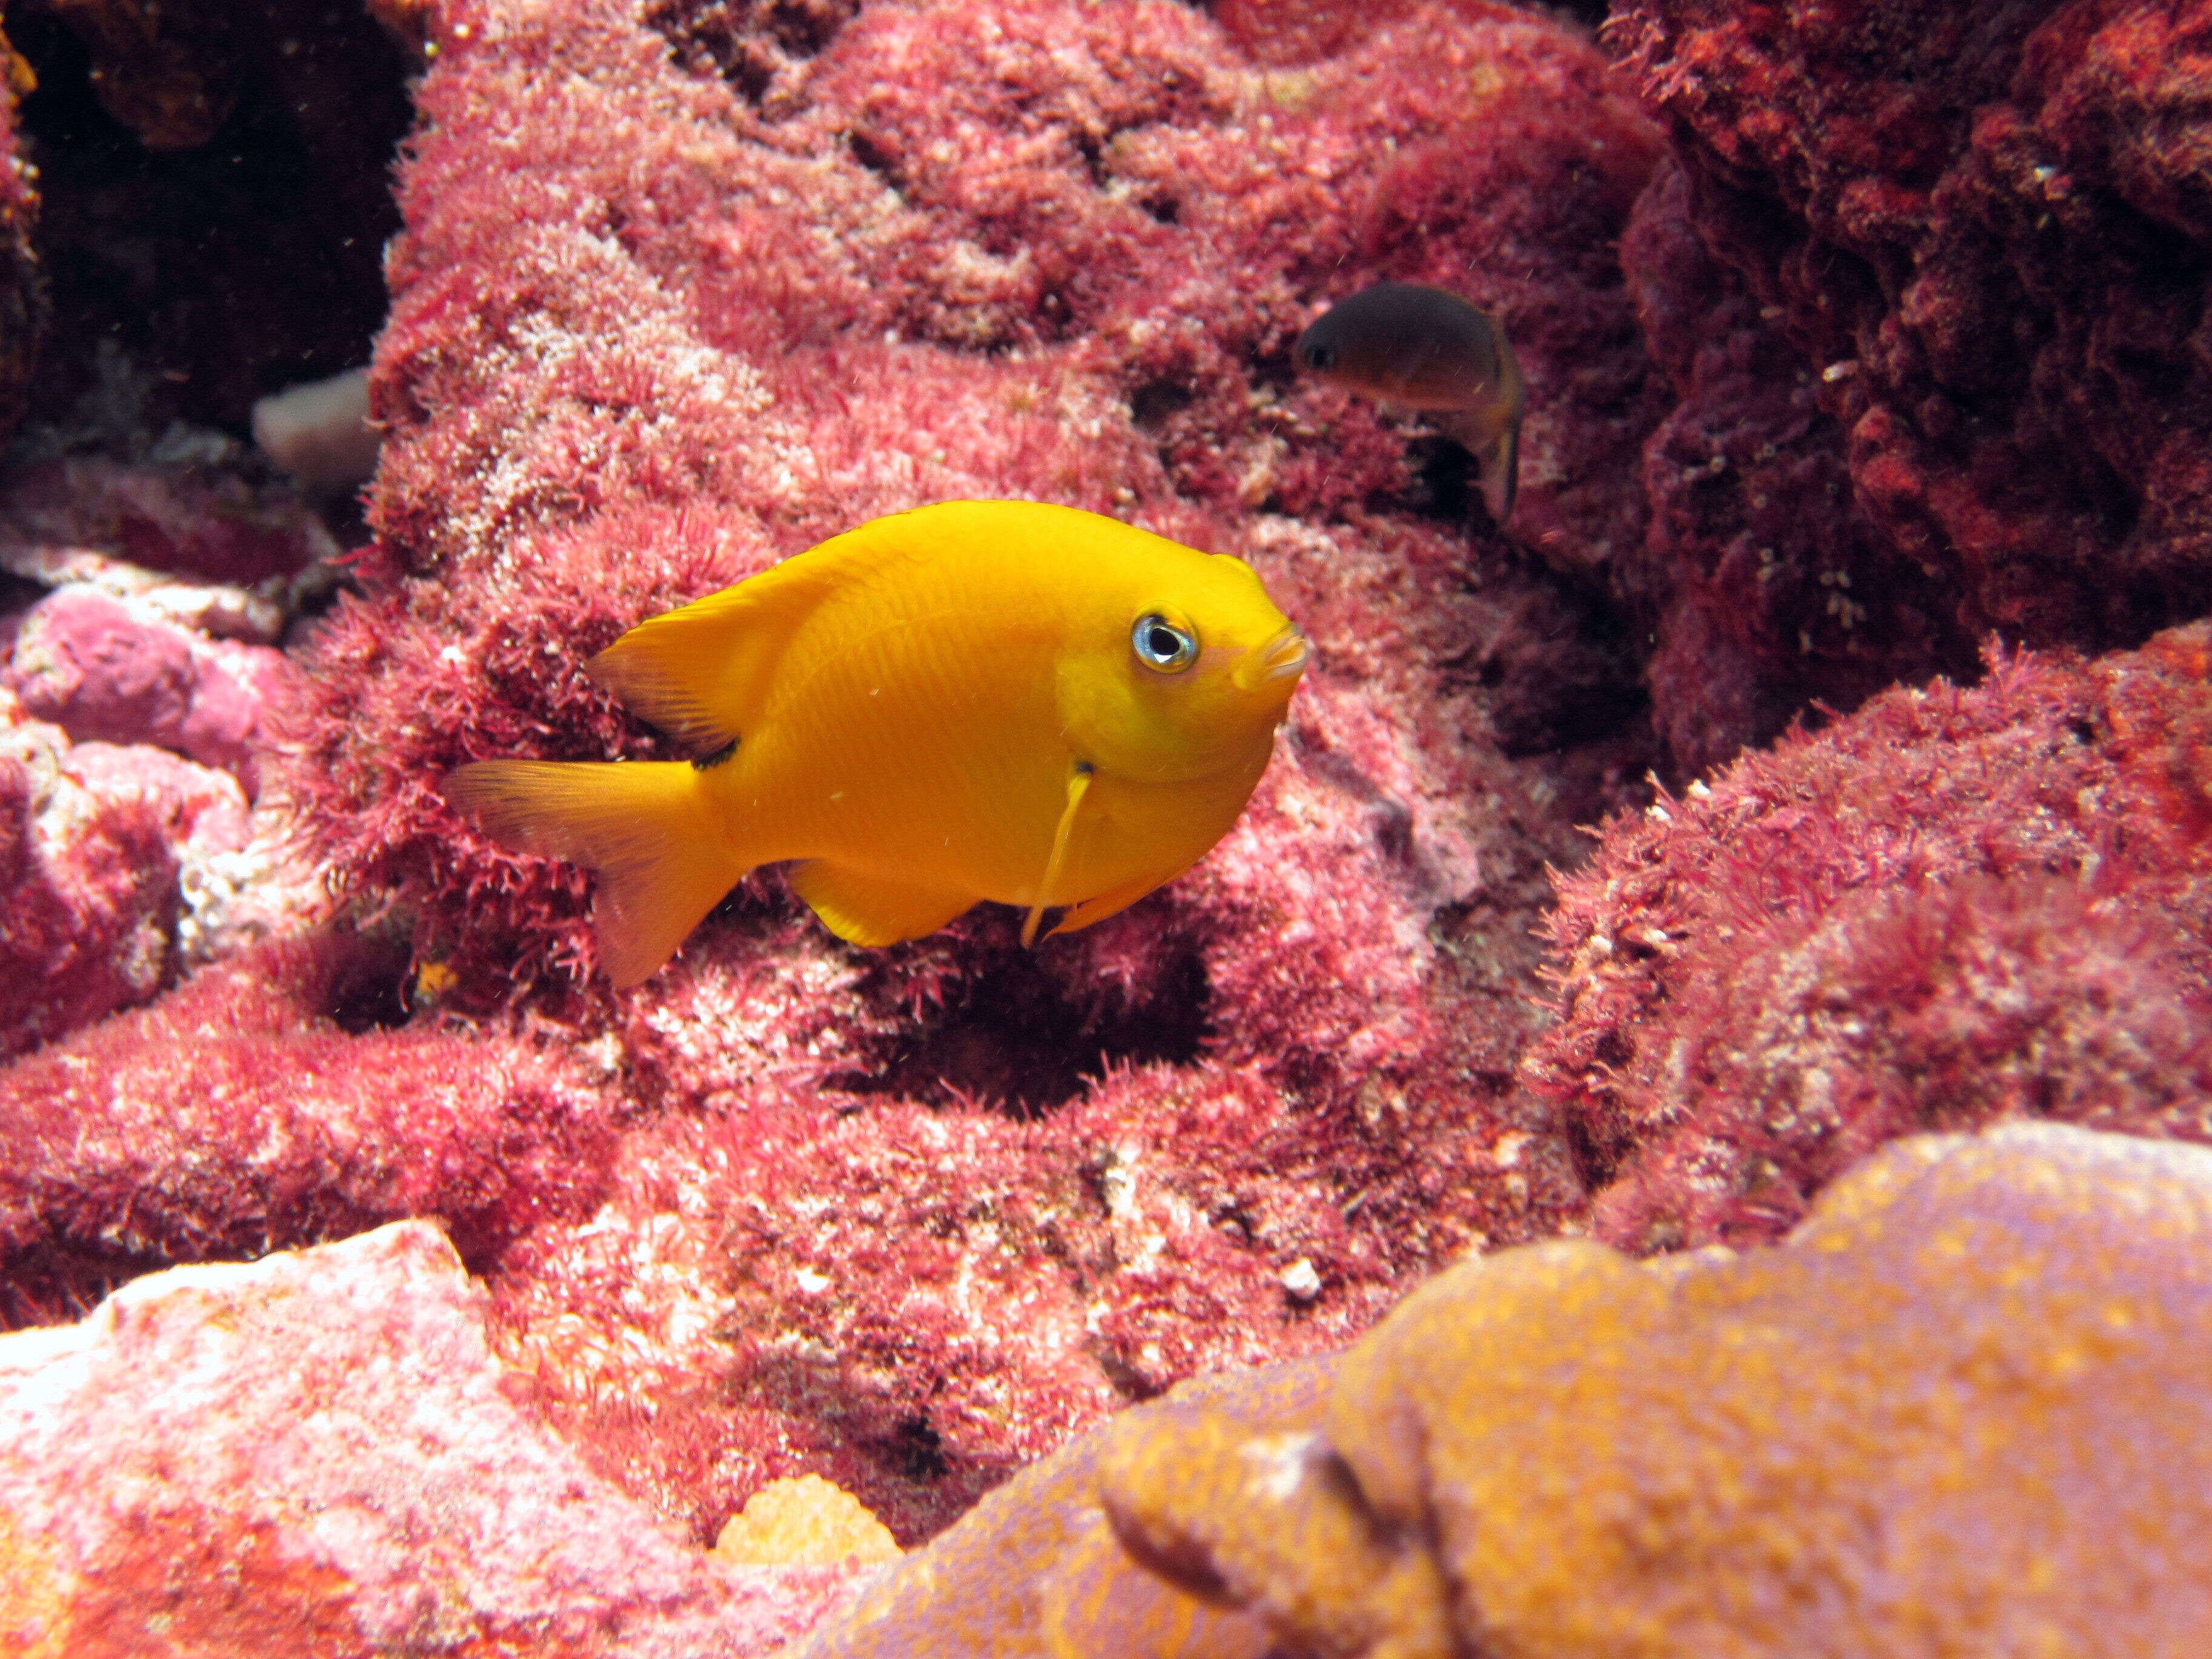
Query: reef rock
[(1954, 906), (107, 852), (1944, 379), (682, 292), (1961, 1412), (319, 1455)]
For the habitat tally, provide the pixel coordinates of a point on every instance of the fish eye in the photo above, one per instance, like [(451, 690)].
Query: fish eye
[(1163, 645), (1319, 356)]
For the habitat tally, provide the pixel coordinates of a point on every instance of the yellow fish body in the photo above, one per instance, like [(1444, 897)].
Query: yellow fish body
[(978, 700)]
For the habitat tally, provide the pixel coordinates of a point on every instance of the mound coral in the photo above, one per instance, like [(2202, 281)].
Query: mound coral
[(1955, 906), (1962, 1411)]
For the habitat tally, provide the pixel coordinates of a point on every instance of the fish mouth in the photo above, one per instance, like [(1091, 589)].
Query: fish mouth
[(1283, 658)]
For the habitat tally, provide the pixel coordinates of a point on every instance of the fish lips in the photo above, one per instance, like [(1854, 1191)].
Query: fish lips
[(1283, 658)]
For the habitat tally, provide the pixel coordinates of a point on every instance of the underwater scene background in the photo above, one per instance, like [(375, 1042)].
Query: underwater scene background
[(1812, 771)]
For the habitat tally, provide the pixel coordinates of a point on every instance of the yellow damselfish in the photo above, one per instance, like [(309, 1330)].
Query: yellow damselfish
[(978, 700)]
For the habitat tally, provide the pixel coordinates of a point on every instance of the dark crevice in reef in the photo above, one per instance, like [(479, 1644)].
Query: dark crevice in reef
[(1015, 1040), (246, 255), (55, 1284), (749, 43)]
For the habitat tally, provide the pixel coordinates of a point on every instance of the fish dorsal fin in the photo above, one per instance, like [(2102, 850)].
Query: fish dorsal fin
[(701, 673)]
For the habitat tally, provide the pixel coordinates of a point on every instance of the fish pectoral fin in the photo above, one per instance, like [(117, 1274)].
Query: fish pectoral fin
[(866, 909), (701, 672), (1110, 902), (1063, 836)]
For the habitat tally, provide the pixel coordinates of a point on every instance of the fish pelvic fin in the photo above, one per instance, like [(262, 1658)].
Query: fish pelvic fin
[(867, 909), (1079, 786), (646, 827), (1110, 902)]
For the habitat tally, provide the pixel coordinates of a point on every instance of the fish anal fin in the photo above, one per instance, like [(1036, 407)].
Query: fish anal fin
[(869, 909), (1112, 902), (646, 827), (1493, 436)]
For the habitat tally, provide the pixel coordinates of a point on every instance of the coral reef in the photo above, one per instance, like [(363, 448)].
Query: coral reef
[(910, 254), (1888, 350), (1958, 905), (1962, 1411), (317, 1454), (1931, 342)]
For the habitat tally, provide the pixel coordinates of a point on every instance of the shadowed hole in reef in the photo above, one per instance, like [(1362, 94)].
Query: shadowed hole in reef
[(217, 271), (747, 41), (1017, 1041), (56, 1284)]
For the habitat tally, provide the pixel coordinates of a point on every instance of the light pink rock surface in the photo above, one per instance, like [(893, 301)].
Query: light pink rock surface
[(109, 670), (318, 1455)]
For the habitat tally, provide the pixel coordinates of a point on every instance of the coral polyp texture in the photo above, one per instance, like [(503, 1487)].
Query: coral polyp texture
[(1955, 906), (1962, 1411), (1936, 380)]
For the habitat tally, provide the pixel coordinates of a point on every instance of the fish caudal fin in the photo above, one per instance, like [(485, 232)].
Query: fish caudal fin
[(646, 826), (863, 909)]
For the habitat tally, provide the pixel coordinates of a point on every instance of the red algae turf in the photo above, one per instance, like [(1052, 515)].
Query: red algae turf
[(1957, 906)]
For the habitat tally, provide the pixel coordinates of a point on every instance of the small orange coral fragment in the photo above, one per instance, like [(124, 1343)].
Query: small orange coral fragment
[(805, 1521)]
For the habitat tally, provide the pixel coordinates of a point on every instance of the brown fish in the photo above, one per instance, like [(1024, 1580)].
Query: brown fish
[(1424, 350)]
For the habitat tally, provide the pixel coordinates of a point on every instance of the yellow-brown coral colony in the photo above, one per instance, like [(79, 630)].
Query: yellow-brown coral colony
[(1963, 1411)]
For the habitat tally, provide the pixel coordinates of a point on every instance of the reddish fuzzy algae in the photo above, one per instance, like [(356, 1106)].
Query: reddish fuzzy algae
[(1926, 278), (1955, 906)]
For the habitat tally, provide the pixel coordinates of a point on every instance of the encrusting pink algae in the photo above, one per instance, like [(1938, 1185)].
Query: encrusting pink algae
[(1330, 1254)]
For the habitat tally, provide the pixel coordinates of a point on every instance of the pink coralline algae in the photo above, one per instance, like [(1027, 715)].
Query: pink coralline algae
[(1955, 906), (106, 671), (1933, 339), (1961, 1412), (319, 1455), (260, 1105)]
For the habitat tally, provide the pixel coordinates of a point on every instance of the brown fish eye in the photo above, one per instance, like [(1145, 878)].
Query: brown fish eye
[(1159, 644), (1319, 356)]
